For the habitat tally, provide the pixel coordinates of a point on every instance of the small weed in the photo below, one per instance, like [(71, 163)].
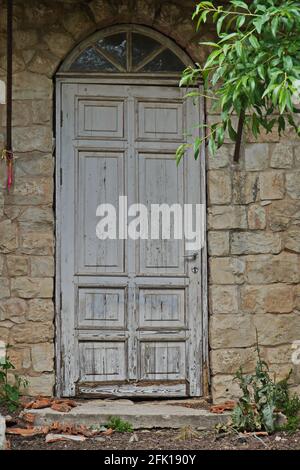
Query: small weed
[(187, 433), (262, 398), (119, 425), (10, 392)]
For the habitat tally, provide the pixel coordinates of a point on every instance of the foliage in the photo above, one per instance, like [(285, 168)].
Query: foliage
[(119, 424), (262, 398), (253, 70), (10, 393)]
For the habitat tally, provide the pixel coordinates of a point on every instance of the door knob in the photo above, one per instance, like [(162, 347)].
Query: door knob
[(191, 256)]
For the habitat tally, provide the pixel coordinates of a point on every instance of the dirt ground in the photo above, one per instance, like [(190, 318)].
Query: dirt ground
[(165, 440)]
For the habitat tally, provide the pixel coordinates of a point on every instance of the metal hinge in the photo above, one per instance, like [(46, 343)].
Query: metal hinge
[(60, 300), (61, 176), (61, 118)]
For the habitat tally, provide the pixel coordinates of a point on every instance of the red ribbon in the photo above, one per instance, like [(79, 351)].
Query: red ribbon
[(9, 157)]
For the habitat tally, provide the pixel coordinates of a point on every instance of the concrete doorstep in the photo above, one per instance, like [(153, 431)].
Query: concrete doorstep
[(143, 415), (2, 433)]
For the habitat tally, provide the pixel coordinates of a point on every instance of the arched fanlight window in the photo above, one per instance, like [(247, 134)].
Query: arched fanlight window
[(127, 49)]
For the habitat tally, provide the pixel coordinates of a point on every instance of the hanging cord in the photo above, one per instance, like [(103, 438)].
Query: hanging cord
[(8, 151)]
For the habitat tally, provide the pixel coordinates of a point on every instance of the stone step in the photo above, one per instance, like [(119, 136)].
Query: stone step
[(2, 433), (143, 415)]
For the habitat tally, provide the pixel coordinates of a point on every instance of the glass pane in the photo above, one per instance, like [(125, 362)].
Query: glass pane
[(90, 61), (116, 46), (142, 46), (164, 62)]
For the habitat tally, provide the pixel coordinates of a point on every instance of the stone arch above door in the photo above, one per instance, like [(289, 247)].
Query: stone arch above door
[(126, 49)]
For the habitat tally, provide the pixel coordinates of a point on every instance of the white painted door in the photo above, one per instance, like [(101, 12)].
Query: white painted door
[(130, 320)]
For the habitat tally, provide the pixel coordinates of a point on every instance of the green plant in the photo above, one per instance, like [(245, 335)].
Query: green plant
[(262, 398), (252, 72), (10, 392), (119, 425)]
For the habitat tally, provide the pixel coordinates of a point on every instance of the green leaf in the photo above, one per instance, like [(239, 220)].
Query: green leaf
[(197, 147), (240, 4), (288, 63), (220, 24), (212, 57), (232, 133), (212, 146), (253, 41), (211, 44), (241, 21), (274, 26), (260, 71), (239, 48)]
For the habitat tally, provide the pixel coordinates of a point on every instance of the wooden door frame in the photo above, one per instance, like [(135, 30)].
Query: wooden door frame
[(131, 80)]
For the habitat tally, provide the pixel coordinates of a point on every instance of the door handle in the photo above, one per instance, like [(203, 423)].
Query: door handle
[(191, 256)]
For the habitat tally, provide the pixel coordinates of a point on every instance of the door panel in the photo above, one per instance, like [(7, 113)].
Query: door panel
[(100, 180), (131, 320)]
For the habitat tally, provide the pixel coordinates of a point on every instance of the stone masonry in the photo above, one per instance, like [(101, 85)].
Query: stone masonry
[(253, 206)]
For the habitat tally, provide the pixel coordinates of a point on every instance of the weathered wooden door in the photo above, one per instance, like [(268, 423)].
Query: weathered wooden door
[(131, 320)]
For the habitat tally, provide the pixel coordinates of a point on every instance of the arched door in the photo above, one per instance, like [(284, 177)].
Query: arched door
[(130, 313)]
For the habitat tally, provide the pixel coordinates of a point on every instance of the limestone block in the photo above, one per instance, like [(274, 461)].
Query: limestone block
[(40, 310), (227, 217), (228, 361), (224, 299), (218, 243), (36, 239), (268, 269), (227, 270), (219, 187), (59, 43), (20, 358), (102, 10), (30, 86), (271, 185), (8, 236), (293, 184), (278, 354), (42, 111), (12, 308), (41, 385), (26, 38), (256, 157), (28, 288), (221, 159), (33, 138), (282, 156), (245, 187), (282, 214), (78, 24), (4, 288), (29, 333), (42, 357), (224, 388), (243, 243), (42, 215), (1, 264), (31, 191), (42, 266), (274, 298), (232, 331), (34, 164), (256, 217), (292, 239), (17, 265), (274, 330)]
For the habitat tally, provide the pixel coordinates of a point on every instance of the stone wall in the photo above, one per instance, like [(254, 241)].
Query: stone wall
[(254, 207), (254, 259)]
